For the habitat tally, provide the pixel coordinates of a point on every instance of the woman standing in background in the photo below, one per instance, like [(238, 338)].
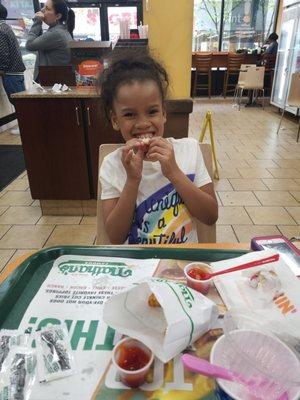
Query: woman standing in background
[(52, 46)]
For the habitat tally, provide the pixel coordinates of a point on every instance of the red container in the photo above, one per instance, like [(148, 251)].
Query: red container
[(133, 360), (201, 286)]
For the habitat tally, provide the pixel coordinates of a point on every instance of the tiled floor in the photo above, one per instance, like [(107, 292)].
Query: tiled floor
[(258, 190)]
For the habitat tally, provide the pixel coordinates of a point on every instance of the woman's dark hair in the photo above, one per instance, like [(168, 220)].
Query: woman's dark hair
[(273, 36), (71, 22), (126, 66), (3, 12), (67, 14)]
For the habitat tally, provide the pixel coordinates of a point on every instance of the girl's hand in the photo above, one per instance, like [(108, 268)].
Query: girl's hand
[(162, 150), (132, 159), (39, 15)]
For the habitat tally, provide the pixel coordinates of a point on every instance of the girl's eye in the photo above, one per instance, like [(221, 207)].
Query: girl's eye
[(128, 115), (153, 111)]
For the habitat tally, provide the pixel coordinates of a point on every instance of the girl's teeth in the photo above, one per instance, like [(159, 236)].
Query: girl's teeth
[(146, 136)]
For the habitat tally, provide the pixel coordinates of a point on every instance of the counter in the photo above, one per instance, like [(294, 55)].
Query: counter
[(219, 59), (80, 92), (61, 134)]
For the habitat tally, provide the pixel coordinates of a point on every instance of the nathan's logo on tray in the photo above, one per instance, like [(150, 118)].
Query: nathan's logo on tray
[(95, 268)]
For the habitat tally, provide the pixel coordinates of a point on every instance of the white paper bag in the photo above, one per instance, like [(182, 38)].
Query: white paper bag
[(183, 317), (275, 308)]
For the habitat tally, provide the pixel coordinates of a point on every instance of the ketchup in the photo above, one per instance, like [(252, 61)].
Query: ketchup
[(133, 358), (197, 273)]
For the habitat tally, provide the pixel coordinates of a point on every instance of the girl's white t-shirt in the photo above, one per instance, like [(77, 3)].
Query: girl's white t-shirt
[(160, 216)]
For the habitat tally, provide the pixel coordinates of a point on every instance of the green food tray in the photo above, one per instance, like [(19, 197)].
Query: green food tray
[(19, 288)]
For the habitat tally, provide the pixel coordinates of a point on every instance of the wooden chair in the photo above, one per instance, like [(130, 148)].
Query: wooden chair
[(234, 62), (293, 99), (253, 80), (206, 233), (202, 63), (242, 77)]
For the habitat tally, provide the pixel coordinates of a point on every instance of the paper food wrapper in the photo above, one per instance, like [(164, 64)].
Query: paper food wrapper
[(273, 300), (183, 317)]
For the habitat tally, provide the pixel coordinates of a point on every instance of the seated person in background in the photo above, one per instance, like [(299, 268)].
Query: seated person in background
[(272, 44), (52, 46), (152, 187)]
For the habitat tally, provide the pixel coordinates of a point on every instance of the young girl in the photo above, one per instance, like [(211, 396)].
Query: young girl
[(152, 187)]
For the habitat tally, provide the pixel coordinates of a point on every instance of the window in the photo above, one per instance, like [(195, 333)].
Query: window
[(247, 23), (207, 19), (229, 25)]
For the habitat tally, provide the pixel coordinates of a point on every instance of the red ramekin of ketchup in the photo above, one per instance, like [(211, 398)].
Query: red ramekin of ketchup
[(194, 273), (133, 360)]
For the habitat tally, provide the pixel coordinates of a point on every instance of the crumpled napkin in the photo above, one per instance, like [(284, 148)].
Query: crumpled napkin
[(38, 86), (58, 88)]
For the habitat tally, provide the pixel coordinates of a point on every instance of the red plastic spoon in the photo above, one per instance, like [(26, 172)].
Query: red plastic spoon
[(267, 260)]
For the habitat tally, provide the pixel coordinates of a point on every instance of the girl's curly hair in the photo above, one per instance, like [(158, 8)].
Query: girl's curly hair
[(128, 65)]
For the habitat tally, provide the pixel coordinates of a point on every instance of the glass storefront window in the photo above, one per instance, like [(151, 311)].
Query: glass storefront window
[(87, 23), (114, 14), (246, 24), (19, 8), (207, 18)]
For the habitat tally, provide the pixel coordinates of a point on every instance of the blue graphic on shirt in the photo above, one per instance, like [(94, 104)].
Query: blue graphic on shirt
[(161, 218)]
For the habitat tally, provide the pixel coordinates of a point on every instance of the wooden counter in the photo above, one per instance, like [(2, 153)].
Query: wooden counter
[(61, 134), (84, 92), (219, 59)]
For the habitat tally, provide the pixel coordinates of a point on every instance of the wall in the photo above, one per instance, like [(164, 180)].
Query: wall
[(278, 23), (170, 40)]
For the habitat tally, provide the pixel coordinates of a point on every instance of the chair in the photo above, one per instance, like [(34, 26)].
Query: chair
[(293, 99), (242, 77), (253, 80), (206, 233), (234, 62), (202, 63)]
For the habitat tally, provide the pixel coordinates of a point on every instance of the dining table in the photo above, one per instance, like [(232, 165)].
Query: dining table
[(21, 285)]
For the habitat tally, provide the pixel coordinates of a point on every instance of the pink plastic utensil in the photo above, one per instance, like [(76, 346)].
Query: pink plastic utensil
[(255, 263), (205, 368)]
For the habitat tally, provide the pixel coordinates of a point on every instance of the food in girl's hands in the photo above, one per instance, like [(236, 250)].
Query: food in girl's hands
[(146, 140), (152, 301)]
